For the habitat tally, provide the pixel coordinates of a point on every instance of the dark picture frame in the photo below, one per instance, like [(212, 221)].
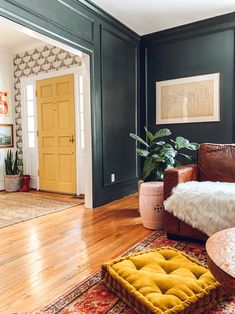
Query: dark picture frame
[(6, 136)]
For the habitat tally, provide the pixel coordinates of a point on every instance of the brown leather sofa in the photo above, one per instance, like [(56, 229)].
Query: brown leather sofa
[(216, 162)]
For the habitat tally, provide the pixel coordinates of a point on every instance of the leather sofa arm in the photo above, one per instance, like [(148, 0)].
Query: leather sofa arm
[(173, 176)]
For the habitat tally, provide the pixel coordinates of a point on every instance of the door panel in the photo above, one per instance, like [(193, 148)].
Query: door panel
[(56, 134), (47, 91), (62, 88), (47, 116), (48, 142), (64, 173), (64, 141), (63, 116)]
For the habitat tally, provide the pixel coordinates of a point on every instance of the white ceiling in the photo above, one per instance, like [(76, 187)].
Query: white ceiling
[(148, 16), (15, 40)]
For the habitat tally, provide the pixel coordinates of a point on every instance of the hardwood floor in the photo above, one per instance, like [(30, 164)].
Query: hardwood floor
[(40, 259)]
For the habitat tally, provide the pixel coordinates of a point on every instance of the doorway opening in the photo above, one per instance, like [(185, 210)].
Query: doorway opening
[(68, 120)]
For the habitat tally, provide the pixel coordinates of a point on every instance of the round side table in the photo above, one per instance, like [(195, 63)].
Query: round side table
[(221, 257)]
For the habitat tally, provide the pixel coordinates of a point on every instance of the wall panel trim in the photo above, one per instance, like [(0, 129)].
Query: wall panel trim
[(199, 28), (60, 25), (133, 44)]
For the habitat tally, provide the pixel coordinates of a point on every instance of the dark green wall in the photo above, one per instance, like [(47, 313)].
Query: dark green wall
[(200, 48), (114, 52)]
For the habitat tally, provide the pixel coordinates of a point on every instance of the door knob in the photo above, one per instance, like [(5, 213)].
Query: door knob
[(71, 139)]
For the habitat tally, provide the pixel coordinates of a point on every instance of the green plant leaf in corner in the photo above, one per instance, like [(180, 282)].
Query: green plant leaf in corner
[(149, 135), (170, 162), (187, 157), (142, 152), (181, 142), (168, 152), (192, 146), (158, 158), (162, 133), (138, 139), (160, 143), (149, 166)]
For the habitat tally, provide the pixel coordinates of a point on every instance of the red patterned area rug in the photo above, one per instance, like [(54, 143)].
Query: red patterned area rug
[(92, 297)]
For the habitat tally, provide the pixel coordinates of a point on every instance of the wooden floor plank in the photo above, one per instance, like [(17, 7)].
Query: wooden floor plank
[(40, 259)]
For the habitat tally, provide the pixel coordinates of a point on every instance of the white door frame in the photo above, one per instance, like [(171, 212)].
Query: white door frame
[(76, 71)]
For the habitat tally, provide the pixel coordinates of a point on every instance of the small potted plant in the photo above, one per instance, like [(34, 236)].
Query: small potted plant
[(12, 178), (159, 154)]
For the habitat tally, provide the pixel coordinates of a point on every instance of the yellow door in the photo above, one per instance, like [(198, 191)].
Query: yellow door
[(56, 134)]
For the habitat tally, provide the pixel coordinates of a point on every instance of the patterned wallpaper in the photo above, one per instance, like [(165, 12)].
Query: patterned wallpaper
[(41, 60)]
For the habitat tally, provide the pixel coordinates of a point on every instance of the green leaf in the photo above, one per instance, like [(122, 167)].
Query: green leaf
[(11, 164), (149, 166), (154, 147), (193, 146), (149, 135), (178, 163), (160, 143), (168, 152), (181, 142), (162, 133), (170, 161), (142, 152), (159, 175), (189, 158), (169, 146), (15, 164), (158, 158), (138, 139)]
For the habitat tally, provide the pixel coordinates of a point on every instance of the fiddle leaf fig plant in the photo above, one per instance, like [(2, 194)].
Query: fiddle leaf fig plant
[(160, 154)]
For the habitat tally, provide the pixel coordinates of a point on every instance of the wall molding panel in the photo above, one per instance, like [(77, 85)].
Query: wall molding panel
[(121, 106)]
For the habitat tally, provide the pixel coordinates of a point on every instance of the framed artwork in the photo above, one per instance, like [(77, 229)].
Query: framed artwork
[(6, 135), (189, 99)]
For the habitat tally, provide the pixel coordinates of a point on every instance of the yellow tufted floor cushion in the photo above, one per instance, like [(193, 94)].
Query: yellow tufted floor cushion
[(164, 280)]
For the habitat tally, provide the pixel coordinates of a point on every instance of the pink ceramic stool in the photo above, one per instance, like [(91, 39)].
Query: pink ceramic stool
[(151, 205)]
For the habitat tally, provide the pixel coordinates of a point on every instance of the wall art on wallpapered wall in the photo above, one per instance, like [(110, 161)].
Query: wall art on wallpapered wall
[(6, 135), (41, 60), (4, 104)]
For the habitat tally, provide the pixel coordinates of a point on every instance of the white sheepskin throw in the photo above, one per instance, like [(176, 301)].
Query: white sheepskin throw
[(206, 206)]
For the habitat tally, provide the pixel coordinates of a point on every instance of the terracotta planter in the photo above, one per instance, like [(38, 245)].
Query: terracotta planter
[(151, 205), (139, 184), (12, 183)]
